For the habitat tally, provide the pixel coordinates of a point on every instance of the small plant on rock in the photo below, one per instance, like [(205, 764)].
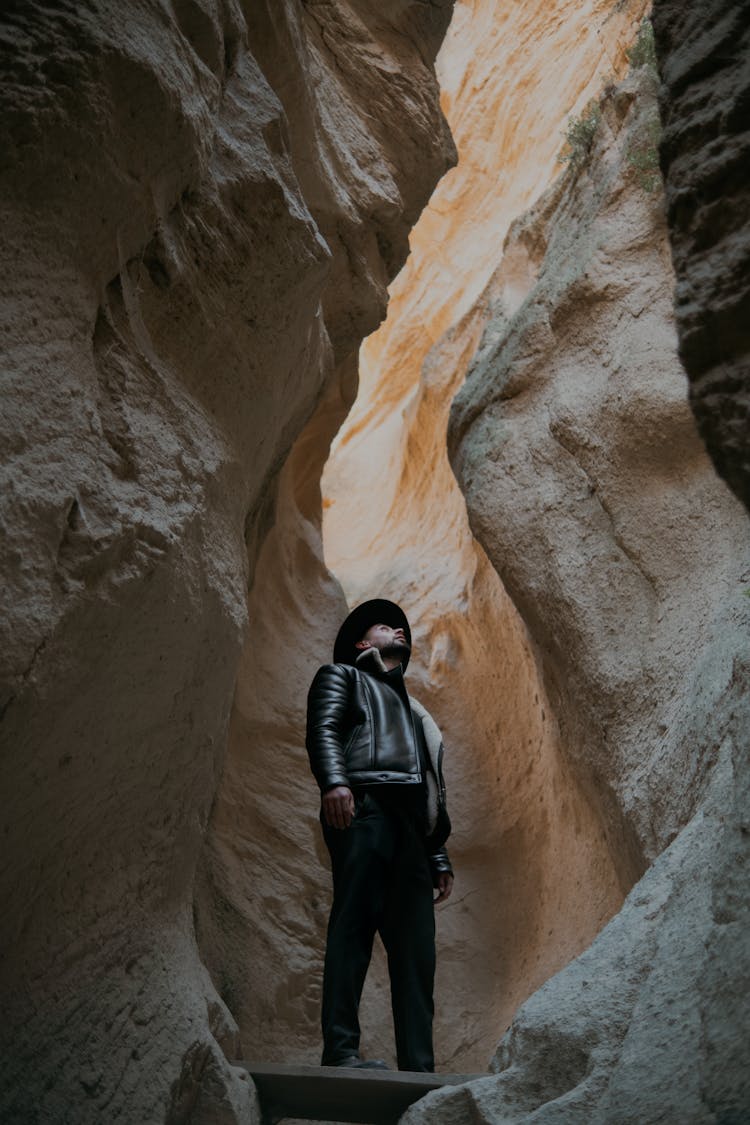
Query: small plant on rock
[(579, 135), (642, 152), (643, 51)]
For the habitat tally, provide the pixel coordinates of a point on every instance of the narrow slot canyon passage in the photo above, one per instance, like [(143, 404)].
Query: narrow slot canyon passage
[(544, 648), (313, 301), (536, 878), (537, 875), (539, 867)]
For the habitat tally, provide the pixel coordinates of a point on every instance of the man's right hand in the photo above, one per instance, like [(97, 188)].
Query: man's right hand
[(338, 806)]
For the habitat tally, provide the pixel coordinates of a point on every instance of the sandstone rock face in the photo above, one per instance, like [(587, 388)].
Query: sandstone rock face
[(203, 203), (202, 206), (571, 429), (539, 870), (626, 556), (266, 874), (262, 893), (705, 152)]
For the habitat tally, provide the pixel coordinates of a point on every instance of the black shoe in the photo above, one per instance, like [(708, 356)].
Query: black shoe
[(354, 1062)]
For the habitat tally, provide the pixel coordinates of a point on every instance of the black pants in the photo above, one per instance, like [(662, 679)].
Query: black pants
[(381, 883)]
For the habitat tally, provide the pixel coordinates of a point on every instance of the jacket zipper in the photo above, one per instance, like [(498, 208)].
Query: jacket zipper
[(370, 724)]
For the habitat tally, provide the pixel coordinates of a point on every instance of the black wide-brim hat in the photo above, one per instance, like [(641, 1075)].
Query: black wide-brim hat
[(378, 611)]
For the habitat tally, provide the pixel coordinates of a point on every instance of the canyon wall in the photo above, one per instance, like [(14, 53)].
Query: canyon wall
[(705, 150), (537, 873), (187, 268), (627, 557), (203, 204)]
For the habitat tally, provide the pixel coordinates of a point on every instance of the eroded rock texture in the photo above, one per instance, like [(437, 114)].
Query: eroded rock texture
[(262, 893), (539, 869), (595, 502), (202, 205), (705, 102), (537, 878)]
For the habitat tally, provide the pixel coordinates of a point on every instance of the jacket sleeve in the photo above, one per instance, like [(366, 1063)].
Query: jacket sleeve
[(328, 706), (439, 862)]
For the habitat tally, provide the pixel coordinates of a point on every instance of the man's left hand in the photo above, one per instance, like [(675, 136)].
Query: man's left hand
[(444, 886)]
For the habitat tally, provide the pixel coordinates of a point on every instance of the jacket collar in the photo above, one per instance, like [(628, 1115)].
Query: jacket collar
[(370, 660)]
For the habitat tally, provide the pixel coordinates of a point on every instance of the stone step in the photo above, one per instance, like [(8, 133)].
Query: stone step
[(337, 1093)]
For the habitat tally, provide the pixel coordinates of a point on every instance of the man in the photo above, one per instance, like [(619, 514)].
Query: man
[(377, 757)]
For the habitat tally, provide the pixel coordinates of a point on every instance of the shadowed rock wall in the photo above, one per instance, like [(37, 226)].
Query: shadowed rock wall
[(705, 152), (262, 893), (185, 270)]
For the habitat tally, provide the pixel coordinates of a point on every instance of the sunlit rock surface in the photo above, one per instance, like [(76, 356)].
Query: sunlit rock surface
[(591, 492), (539, 868), (587, 485), (202, 206)]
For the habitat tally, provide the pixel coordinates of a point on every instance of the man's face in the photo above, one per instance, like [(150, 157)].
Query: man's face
[(389, 640)]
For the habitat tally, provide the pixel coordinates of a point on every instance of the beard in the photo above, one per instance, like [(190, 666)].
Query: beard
[(397, 650)]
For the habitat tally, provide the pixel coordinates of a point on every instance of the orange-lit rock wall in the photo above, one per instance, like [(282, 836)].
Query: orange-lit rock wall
[(517, 915), (269, 973), (627, 557), (510, 77), (539, 869)]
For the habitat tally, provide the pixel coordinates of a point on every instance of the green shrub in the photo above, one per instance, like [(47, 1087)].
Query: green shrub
[(642, 152), (579, 135), (643, 51)]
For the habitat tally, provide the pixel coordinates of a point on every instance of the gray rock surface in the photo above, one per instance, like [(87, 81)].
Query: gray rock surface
[(202, 206), (262, 889), (650, 1023), (589, 489), (587, 485), (705, 152)]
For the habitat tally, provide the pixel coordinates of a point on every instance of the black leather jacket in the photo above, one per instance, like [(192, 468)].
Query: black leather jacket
[(362, 731)]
